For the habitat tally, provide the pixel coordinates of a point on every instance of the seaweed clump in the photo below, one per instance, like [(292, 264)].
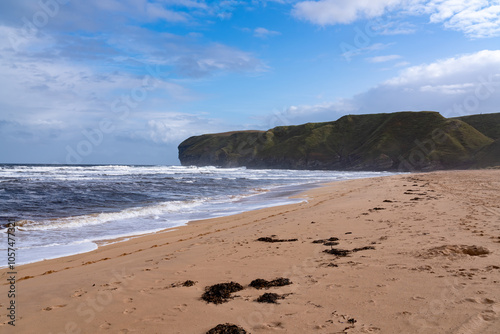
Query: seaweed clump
[(270, 298), (331, 243), (326, 241), (362, 248), (337, 252), (187, 283), (269, 239), (345, 252), (220, 293), (260, 283), (227, 329)]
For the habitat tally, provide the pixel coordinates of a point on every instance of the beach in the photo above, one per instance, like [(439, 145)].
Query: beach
[(416, 253)]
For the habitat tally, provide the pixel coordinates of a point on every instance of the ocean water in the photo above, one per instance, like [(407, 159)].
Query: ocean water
[(65, 210)]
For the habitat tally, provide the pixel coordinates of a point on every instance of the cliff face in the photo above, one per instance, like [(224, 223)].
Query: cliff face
[(404, 141)]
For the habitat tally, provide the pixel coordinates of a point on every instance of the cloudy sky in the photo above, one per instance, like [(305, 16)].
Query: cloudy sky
[(125, 81)]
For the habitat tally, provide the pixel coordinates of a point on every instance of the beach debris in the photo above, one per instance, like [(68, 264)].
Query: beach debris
[(187, 283), (362, 248), (325, 241), (227, 329), (337, 252), (270, 239), (456, 250), (331, 243), (329, 264), (260, 283), (345, 252), (388, 201), (220, 293), (269, 297), (348, 233)]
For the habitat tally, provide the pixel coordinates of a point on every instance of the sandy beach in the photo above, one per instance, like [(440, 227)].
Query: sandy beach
[(416, 253)]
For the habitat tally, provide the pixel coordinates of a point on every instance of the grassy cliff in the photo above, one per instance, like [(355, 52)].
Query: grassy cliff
[(396, 141)]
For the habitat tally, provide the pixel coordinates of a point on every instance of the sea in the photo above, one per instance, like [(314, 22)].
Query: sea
[(61, 210)]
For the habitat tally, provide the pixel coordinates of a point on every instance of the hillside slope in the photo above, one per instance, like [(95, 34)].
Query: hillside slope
[(403, 141)]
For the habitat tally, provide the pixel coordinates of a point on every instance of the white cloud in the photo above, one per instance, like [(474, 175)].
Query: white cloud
[(157, 11), (454, 68), (217, 58), (402, 64), (173, 127), (95, 60), (383, 59), (394, 28), (456, 86), (475, 18), (448, 89), (326, 12), (264, 33)]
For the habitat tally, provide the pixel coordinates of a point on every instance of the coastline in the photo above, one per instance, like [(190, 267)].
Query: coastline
[(87, 206), (416, 223)]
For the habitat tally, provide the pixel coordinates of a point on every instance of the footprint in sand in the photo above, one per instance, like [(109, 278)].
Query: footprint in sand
[(129, 310), (105, 325), (156, 319), (78, 293), (417, 298), (370, 329), (181, 308)]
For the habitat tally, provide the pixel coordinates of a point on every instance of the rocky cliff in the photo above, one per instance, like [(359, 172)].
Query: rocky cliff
[(403, 141)]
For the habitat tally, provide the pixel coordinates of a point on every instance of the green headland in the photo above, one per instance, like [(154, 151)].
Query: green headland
[(401, 141)]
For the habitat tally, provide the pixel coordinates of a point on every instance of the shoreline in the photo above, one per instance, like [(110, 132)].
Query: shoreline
[(281, 200), (282, 195), (102, 243), (417, 243)]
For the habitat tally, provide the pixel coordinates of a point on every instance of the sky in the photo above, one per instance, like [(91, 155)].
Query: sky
[(125, 81)]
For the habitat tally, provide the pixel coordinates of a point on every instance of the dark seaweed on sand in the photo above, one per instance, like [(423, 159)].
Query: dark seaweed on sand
[(260, 283), (331, 243), (269, 298), (227, 329), (362, 249), (325, 241), (269, 239), (345, 252), (337, 251), (187, 283), (220, 293)]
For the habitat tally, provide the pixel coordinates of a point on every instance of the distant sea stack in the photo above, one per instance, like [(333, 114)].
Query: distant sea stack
[(401, 141)]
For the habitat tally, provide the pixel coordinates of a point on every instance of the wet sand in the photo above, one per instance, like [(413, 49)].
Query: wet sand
[(415, 253)]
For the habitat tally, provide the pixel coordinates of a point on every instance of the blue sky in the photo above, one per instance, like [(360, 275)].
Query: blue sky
[(124, 82)]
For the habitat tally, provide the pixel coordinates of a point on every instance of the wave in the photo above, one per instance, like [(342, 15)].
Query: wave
[(153, 212)]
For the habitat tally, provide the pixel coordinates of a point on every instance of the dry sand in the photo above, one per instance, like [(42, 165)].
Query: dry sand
[(435, 267)]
